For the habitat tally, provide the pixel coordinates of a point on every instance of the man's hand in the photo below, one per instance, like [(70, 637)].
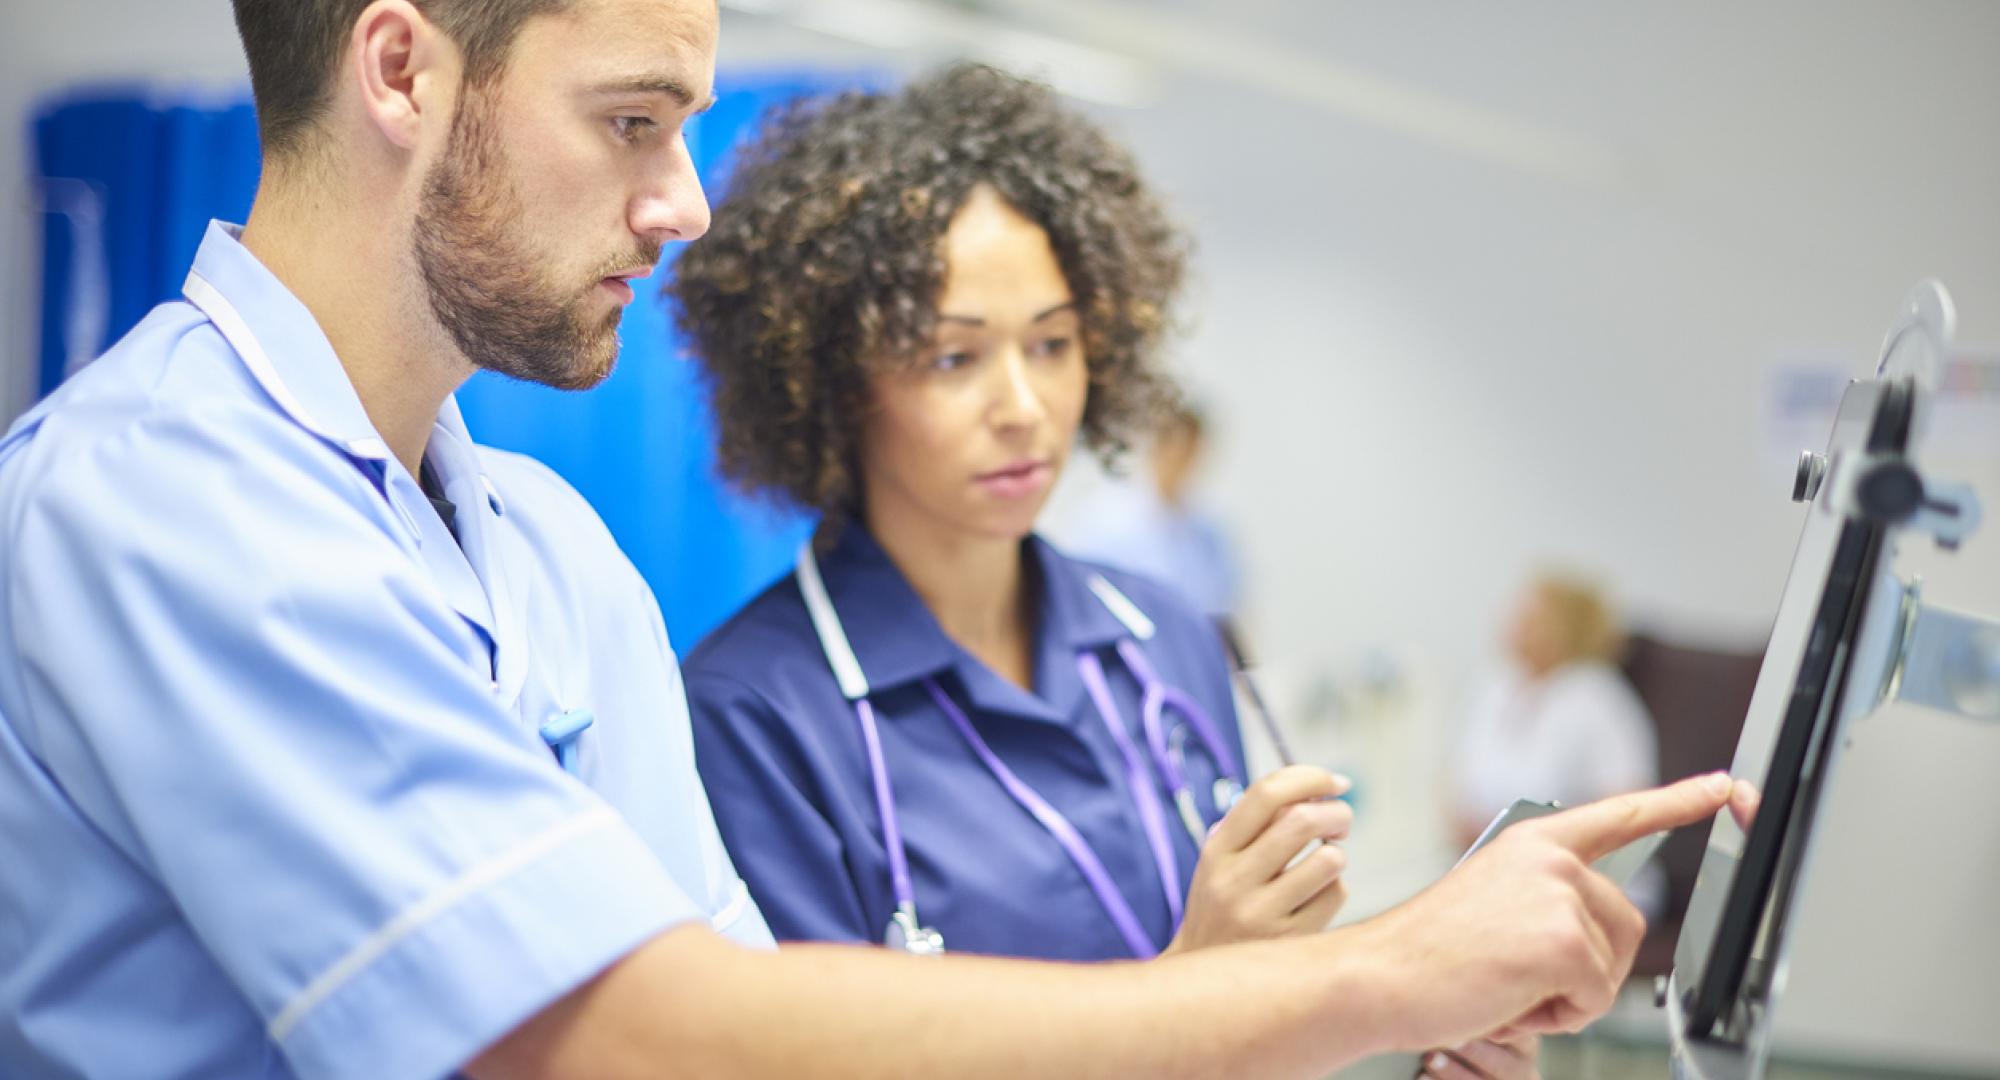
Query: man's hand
[(1743, 804), (1523, 936), (1517, 1058), (1247, 887)]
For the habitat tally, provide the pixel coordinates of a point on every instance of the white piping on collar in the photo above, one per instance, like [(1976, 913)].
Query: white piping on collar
[(1122, 608), (237, 332)]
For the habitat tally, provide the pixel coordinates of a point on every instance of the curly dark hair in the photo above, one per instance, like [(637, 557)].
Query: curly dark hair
[(824, 267)]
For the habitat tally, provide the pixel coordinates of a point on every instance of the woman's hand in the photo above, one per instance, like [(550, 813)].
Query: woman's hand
[(1272, 865)]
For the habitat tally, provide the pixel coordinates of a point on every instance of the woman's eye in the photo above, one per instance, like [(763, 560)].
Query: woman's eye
[(1053, 347), (951, 361), (632, 128)]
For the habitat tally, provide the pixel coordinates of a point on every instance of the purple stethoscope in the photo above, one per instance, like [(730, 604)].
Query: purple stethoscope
[(1166, 750)]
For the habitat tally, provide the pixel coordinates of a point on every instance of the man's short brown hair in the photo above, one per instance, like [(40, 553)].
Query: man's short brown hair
[(295, 48)]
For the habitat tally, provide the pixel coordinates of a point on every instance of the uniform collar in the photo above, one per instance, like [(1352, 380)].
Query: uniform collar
[(291, 360), (898, 641), (894, 636), (282, 345), (1069, 607), (455, 458)]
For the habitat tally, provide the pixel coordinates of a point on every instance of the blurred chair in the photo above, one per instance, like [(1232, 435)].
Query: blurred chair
[(1698, 698)]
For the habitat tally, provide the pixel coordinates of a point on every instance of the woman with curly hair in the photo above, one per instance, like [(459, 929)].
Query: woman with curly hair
[(940, 729)]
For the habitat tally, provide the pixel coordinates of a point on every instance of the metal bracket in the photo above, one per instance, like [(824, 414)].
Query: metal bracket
[(1949, 661), (1888, 489), (1950, 513)]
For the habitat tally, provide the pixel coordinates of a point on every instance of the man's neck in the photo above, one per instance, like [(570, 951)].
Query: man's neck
[(975, 586), (360, 282)]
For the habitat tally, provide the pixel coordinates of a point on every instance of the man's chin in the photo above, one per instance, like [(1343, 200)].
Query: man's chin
[(585, 378), (584, 368), (581, 377), (606, 360)]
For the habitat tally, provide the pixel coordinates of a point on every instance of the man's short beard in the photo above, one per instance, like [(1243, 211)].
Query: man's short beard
[(483, 282)]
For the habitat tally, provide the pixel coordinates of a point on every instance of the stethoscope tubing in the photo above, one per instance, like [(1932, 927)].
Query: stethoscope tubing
[(885, 807), (1066, 833), (1156, 697), (1151, 818)]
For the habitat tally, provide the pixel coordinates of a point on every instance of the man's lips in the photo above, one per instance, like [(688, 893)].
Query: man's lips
[(620, 283)]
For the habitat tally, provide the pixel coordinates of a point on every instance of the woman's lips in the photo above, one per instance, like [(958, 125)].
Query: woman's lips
[(1017, 481)]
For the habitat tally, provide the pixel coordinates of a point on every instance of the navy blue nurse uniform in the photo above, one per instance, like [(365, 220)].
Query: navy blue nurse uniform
[(782, 757)]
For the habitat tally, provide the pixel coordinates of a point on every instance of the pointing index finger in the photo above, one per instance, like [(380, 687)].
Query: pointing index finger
[(1600, 828)]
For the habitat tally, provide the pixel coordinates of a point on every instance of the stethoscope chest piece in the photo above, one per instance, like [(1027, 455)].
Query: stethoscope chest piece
[(1226, 791), (906, 934)]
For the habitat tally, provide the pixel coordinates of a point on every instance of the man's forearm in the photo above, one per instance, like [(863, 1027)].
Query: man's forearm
[(1522, 936), (691, 1003)]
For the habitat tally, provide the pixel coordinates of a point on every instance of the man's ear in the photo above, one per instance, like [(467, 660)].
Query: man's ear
[(407, 71)]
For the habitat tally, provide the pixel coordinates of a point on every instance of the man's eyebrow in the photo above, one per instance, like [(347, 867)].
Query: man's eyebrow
[(665, 85)]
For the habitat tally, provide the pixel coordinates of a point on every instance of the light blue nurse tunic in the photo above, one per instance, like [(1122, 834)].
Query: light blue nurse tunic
[(272, 797)]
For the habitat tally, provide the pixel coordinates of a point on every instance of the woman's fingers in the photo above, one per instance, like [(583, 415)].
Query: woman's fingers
[(1288, 833), (1317, 913), (1265, 800)]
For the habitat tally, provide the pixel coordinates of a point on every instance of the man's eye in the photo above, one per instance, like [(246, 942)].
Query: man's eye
[(632, 128)]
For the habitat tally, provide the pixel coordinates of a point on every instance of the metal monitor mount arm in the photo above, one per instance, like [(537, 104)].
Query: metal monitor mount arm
[(1940, 659), (1946, 660)]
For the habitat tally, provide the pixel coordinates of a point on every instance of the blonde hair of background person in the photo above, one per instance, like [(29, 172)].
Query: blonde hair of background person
[(1568, 620), (1559, 722)]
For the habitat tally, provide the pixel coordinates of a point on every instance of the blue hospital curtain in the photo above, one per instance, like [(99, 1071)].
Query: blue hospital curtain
[(130, 179)]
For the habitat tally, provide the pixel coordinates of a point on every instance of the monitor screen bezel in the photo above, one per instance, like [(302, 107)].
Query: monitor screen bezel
[(1762, 881)]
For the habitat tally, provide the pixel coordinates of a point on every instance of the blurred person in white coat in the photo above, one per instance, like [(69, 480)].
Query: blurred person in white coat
[(1559, 722)]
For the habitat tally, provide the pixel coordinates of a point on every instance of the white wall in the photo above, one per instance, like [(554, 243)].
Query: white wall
[(1431, 369)]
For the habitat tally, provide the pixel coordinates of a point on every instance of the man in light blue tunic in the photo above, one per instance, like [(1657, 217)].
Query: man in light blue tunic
[(284, 641), (334, 745)]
